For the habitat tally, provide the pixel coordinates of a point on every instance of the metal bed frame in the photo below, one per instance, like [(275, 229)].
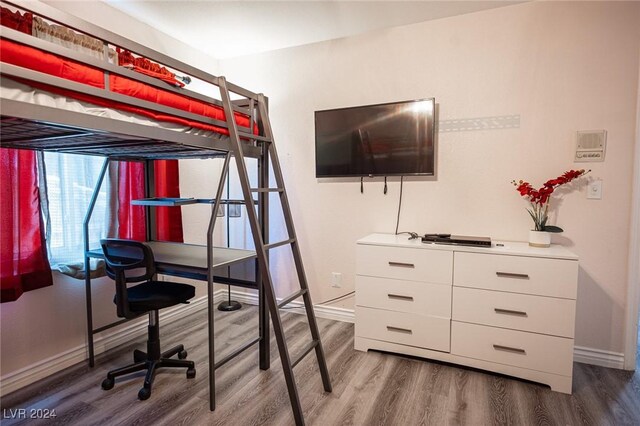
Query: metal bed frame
[(29, 126)]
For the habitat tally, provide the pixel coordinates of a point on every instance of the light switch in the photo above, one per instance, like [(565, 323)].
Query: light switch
[(594, 190)]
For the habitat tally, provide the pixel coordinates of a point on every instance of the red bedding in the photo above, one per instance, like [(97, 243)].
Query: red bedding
[(16, 20), (145, 66), (38, 60)]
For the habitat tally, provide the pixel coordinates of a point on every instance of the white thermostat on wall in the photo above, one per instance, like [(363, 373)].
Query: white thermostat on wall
[(590, 145)]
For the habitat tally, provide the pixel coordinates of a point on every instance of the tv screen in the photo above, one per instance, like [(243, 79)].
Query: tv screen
[(376, 140)]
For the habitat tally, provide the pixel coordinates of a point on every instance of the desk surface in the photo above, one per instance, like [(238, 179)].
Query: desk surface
[(190, 255)]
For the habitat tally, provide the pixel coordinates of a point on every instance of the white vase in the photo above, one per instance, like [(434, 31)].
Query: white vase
[(539, 238)]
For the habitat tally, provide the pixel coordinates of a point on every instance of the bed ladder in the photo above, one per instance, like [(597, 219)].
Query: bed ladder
[(263, 247)]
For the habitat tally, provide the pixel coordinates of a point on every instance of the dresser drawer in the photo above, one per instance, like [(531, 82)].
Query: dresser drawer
[(434, 266), (517, 274), (539, 314), (517, 348), (404, 328), (404, 296)]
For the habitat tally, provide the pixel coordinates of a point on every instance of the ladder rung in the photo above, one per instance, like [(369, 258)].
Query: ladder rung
[(240, 109), (235, 353), (267, 190), (292, 297), (279, 243), (308, 349), (255, 137)]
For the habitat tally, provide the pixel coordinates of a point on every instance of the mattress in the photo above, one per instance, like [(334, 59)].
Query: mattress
[(13, 90)]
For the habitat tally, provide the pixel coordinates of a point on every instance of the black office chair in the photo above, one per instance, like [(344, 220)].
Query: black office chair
[(130, 262)]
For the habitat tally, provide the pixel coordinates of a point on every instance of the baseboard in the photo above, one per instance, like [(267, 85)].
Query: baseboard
[(598, 357), (321, 311), (104, 341)]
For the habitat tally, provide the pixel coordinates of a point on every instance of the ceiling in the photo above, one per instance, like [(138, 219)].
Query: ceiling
[(226, 29)]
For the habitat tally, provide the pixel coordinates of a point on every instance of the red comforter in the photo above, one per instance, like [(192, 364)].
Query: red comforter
[(38, 60)]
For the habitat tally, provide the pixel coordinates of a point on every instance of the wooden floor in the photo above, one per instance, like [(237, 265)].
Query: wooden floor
[(368, 388)]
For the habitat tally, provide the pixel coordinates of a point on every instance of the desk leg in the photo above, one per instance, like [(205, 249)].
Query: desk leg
[(87, 266), (263, 324), (212, 359), (87, 285), (211, 308)]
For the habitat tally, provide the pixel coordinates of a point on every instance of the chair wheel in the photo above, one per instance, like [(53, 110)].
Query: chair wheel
[(144, 394), (108, 383), (182, 354), (191, 373)]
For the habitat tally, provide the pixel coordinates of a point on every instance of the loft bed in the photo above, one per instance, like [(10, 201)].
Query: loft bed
[(69, 86), (54, 97), (91, 106)]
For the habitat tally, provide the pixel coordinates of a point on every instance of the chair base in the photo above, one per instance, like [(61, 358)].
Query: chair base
[(151, 361), (151, 366)]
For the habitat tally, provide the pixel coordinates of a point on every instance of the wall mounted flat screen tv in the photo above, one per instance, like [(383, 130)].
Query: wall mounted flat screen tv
[(390, 139)]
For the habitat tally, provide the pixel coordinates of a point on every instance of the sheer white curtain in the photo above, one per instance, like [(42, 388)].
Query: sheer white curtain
[(70, 183)]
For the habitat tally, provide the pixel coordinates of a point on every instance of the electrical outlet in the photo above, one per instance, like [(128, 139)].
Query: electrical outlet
[(336, 279)]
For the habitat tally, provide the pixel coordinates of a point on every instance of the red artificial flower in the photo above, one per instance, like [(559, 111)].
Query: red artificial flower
[(539, 198), (542, 195)]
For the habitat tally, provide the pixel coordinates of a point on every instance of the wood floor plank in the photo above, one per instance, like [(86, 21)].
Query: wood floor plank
[(342, 361), (469, 398), (365, 390), (500, 402), (533, 406), (370, 388), (425, 401)]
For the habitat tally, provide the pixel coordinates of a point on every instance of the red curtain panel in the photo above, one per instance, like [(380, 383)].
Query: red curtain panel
[(131, 218), (168, 219), (23, 255)]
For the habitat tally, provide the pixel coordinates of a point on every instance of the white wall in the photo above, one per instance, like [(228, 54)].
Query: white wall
[(561, 66), (48, 321)]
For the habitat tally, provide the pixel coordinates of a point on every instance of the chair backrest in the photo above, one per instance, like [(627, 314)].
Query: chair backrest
[(127, 255)]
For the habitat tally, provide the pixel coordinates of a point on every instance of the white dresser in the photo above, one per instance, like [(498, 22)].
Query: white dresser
[(508, 309)]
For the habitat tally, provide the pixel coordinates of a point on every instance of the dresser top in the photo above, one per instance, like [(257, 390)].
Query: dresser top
[(513, 248)]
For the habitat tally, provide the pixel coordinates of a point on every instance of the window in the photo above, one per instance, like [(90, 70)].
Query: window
[(70, 183)]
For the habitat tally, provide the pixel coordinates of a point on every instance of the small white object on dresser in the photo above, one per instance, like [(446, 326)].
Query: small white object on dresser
[(509, 308)]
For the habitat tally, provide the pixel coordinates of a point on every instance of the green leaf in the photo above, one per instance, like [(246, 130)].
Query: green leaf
[(543, 222), (554, 229)]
